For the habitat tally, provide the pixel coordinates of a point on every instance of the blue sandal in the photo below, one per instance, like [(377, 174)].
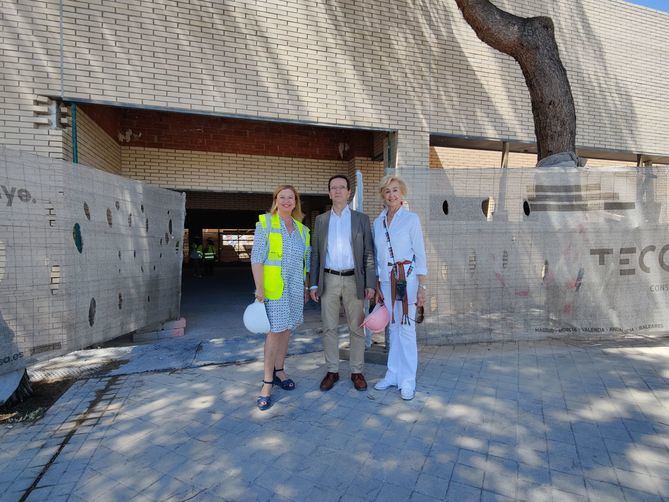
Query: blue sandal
[(264, 402), (286, 384)]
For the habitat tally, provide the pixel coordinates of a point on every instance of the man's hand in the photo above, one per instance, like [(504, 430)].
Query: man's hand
[(314, 294), (369, 293)]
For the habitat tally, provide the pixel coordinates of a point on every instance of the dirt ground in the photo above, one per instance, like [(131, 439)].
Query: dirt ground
[(45, 393)]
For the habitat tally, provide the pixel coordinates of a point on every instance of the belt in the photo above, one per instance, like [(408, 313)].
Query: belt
[(344, 273)]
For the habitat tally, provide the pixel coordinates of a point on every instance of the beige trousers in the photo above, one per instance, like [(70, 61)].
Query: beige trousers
[(338, 290)]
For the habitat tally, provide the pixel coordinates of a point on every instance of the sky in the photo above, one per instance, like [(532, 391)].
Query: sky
[(653, 4)]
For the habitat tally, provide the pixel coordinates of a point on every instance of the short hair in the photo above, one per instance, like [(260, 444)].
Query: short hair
[(387, 180), (342, 176), (297, 211)]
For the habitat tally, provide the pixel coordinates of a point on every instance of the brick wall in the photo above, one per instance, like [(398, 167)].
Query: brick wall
[(221, 172), (415, 68), (380, 145), (193, 170), (153, 129), (372, 172), (608, 163), (30, 62), (95, 146), (446, 158), (108, 118)]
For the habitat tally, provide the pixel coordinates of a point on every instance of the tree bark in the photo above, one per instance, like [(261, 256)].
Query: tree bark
[(531, 42)]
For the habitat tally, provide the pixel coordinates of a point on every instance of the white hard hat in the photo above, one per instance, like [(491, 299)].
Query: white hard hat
[(255, 318)]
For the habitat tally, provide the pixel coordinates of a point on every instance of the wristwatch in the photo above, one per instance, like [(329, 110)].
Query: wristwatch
[(422, 286)]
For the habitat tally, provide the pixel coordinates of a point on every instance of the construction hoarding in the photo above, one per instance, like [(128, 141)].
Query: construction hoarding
[(85, 256), (534, 253)]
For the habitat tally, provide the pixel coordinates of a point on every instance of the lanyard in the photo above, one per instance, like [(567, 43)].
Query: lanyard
[(392, 255)]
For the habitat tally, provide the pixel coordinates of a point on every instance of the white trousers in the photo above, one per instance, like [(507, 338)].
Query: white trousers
[(403, 354)]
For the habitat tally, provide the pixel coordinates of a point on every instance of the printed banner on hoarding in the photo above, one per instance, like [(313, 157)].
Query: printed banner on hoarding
[(530, 253)]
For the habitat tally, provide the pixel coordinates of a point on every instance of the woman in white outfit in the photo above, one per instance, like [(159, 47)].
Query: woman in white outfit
[(402, 272)]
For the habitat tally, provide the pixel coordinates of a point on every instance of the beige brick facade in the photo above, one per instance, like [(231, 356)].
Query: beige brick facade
[(392, 65), (448, 158), (372, 172), (30, 62)]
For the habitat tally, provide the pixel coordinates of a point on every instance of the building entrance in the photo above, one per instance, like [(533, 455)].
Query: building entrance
[(228, 168)]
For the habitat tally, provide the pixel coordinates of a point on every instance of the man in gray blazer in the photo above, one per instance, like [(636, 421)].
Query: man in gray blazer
[(342, 271)]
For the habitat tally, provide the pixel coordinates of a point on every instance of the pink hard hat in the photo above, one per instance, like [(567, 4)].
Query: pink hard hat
[(378, 319)]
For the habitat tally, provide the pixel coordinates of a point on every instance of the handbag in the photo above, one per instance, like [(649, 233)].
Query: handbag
[(420, 315)]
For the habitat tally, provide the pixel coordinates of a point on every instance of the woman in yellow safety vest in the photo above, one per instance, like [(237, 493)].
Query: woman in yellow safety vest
[(279, 261)]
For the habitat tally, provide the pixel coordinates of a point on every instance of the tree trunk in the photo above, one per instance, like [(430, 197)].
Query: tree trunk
[(531, 42)]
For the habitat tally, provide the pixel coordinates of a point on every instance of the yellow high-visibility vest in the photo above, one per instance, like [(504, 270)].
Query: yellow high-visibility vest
[(272, 266), (210, 253)]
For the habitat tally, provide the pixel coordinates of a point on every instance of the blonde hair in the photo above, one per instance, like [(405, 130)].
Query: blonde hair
[(297, 211), (387, 180)]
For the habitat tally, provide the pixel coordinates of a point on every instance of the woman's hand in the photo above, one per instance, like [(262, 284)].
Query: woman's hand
[(420, 297), (260, 295)]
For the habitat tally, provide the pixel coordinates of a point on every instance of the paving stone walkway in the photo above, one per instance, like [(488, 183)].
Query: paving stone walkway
[(506, 421)]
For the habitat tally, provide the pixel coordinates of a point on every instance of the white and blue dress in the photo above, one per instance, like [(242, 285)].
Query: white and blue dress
[(286, 313)]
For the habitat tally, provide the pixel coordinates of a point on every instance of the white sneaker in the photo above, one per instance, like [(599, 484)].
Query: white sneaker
[(407, 394), (383, 384)]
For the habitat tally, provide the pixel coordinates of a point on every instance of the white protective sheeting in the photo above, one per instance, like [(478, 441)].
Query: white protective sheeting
[(85, 256), (554, 252)]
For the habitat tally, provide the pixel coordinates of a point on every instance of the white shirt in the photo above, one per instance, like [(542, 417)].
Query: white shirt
[(339, 255), (406, 237)]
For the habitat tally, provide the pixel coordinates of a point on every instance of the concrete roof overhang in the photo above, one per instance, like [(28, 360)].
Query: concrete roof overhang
[(516, 146)]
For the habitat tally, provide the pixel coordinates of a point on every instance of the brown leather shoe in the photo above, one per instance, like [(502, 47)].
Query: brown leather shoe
[(359, 382), (329, 380)]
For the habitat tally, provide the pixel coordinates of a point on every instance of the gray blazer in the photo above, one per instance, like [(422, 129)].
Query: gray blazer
[(363, 251)]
